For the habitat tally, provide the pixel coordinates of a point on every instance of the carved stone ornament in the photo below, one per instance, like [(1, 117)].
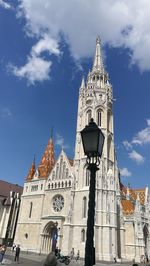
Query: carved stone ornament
[(58, 203)]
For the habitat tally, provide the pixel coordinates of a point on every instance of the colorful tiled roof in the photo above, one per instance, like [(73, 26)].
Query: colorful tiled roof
[(133, 194), (127, 206), (47, 161), (141, 193), (71, 161), (31, 173)]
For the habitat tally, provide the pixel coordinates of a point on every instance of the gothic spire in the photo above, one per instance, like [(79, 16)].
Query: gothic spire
[(82, 83), (47, 161), (98, 61), (31, 171)]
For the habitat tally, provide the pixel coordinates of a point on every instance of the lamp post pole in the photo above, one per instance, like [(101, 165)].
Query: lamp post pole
[(89, 246), (93, 141)]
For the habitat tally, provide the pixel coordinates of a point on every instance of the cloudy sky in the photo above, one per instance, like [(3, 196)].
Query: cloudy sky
[(46, 46)]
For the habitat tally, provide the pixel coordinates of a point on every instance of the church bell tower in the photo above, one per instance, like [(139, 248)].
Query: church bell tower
[(96, 101)]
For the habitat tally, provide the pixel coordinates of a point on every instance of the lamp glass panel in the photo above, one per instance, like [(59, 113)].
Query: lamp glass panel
[(101, 143), (90, 142)]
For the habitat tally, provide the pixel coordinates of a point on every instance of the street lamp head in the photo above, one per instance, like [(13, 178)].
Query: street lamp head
[(93, 140)]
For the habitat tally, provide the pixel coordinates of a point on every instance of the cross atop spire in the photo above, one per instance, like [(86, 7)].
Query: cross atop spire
[(98, 61)]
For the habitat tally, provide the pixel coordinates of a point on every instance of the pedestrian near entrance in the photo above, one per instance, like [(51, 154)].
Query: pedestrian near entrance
[(72, 254), (2, 252), (17, 253), (78, 255)]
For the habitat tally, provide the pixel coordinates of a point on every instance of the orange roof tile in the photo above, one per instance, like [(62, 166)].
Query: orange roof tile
[(31, 172), (127, 207), (141, 193), (133, 193), (47, 161), (71, 161)]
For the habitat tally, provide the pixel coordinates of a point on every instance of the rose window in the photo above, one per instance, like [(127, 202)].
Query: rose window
[(58, 203)]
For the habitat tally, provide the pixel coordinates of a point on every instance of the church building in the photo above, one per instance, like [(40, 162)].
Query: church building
[(55, 197)]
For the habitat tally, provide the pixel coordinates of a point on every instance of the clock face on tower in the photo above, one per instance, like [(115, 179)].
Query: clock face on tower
[(58, 203)]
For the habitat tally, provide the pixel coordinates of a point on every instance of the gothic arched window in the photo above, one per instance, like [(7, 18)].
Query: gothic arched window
[(110, 150), (63, 171), (53, 175), (99, 117), (89, 116), (60, 169), (109, 121), (84, 207), (83, 235), (87, 180), (67, 172), (57, 170), (30, 212)]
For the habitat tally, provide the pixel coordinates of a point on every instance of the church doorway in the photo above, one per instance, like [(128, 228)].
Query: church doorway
[(49, 237)]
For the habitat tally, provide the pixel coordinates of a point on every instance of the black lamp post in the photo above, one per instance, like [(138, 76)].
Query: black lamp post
[(93, 141)]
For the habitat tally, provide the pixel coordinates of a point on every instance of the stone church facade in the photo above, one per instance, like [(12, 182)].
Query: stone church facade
[(55, 197)]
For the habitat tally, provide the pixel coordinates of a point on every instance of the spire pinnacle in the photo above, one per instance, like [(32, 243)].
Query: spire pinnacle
[(82, 83), (98, 61), (31, 171), (47, 161), (51, 134)]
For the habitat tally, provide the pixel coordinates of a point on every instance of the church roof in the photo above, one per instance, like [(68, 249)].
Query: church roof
[(133, 195), (71, 161), (46, 164), (47, 161), (127, 206), (141, 193), (31, 172)]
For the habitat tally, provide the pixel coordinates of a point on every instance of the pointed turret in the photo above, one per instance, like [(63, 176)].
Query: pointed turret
[(32, 171), (47, 161), (82, 83), (98, 61)]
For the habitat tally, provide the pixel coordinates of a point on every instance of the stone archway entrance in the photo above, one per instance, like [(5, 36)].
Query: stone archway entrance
[(49, 237)]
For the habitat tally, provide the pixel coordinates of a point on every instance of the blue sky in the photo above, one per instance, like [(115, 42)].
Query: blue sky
[(45, 49)]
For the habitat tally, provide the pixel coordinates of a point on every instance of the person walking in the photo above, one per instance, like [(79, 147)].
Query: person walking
[(78, 255), (17, 253), (72, 254), (2, 253)]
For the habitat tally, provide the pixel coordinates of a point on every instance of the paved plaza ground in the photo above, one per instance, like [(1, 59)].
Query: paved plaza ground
[(31, 259)]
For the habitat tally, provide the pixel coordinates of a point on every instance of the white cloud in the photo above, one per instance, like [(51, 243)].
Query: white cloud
[(127, 145), (5, 112), (143, 136), (37, 67), (5, 5), (45, 44), (148, 122), (119, 23), (125, 172), (60, 142), (135, 156)]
